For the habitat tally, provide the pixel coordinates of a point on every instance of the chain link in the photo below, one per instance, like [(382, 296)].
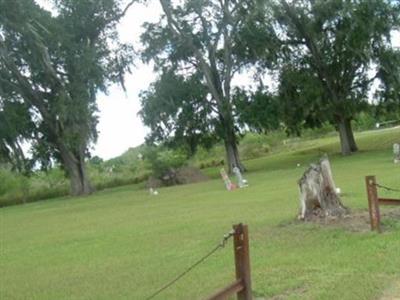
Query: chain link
[(221, 244), (386, 188)]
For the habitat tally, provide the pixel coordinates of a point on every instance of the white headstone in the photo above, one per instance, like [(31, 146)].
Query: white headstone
[(396, 152), (153, 192), (229, 185), (241, 181)]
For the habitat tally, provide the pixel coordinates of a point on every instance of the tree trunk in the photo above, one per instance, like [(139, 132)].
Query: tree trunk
[(318, 195), (76, 171), (232, 157), (231, 149), (350, 134), (229, 137), (347, 141)]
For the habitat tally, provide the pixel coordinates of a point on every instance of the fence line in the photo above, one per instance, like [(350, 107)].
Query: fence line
[(387, 188), (374, 201), (242, 286)]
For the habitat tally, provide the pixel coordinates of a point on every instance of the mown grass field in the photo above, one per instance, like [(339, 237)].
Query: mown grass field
[(124, 244)]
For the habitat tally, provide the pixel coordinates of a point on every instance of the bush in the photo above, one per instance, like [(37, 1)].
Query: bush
[(364, 121), (256, 145), (164, 162), (119, 181), (14, 188)]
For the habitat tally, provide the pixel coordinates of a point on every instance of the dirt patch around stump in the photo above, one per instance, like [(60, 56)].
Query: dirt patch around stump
[(359, 220)]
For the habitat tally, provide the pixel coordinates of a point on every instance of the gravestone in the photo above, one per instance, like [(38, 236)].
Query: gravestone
[(153, 192), (396, 152), (229, 185), (241, 181)]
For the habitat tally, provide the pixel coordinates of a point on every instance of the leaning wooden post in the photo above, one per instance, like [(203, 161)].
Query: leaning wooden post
[(242, 260), (373, 203)]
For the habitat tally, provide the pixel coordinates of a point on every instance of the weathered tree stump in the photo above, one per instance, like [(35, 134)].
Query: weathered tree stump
[(318, 196)]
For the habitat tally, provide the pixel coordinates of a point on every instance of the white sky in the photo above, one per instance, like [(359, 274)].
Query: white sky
[(119, 125)]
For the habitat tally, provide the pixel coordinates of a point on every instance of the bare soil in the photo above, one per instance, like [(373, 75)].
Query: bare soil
[(359, 220)]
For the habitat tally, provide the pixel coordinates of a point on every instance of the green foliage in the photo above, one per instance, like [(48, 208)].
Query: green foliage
[(162, 161), (14, 184), (124, 170), (15, 127), (96, 161), (300, 99), (157, 161), (177, 112), (323, 52), (389, 90), (17, 189), (7, 182), (194, 42), (259, 110), (365, 121), (54, 65)]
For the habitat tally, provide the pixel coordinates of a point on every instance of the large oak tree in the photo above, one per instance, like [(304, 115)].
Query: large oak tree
[(177, 111), (328, 54), (199, 38), (54, 65)]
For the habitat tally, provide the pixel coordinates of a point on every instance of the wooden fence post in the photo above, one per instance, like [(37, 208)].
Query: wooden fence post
[(242, 260), (373, 203)]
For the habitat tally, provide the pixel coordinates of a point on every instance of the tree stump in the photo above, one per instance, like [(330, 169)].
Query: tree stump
[(318, 196)]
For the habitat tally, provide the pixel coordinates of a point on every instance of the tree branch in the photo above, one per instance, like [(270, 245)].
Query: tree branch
[(319, 64), (180, 34)]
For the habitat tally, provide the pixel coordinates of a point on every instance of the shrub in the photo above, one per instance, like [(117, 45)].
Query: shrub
[(164, 162), (364, 121)]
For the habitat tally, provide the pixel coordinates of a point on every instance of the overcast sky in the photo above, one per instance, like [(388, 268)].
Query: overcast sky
[(119, 126)]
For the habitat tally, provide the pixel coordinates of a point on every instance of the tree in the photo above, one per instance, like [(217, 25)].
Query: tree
[(259, 110), (389, 88), (325, 50), (54, 65), (178, 113), (15, 128), (200, 37)]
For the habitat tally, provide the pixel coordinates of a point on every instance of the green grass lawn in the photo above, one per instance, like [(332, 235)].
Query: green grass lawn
[(124, 244)]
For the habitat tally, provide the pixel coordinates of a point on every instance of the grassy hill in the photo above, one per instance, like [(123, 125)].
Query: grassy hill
[(123, 243)]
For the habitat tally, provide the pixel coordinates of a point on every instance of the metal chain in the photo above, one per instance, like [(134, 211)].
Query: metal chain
[(387, 188), (198, 262)]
